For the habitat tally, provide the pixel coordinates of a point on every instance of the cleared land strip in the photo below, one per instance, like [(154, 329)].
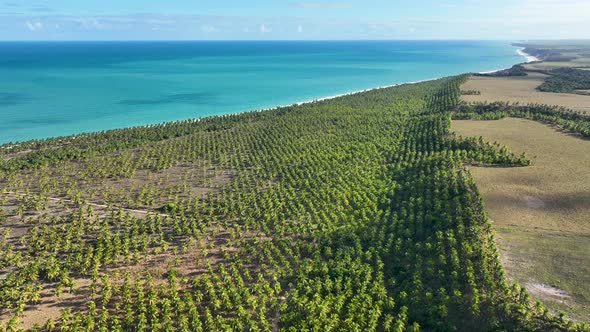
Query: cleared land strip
[(540, 213), (67, 200), (521, 89)]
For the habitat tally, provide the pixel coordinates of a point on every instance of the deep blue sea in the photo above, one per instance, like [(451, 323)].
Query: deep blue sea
[(62, 88)]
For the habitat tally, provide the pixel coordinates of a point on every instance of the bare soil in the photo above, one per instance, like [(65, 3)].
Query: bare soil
[(194, 260), (543, 290)]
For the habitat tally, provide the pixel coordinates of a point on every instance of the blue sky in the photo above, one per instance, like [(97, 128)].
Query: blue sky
[(278, 19)]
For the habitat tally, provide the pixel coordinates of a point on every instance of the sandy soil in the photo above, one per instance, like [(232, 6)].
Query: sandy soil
[(546, 290), (137, 213), (521, 89), (190, 262)]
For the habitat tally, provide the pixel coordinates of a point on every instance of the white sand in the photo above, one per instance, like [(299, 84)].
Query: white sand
[(529, 58)]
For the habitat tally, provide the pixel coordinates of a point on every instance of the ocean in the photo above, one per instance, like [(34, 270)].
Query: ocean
[(61, 88)]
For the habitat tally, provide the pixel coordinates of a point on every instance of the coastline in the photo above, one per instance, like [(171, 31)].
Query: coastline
[(311, 101), (9, 145), (530, 58), (520, 51)]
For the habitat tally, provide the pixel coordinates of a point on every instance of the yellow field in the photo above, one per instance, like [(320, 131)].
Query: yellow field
[(521, 89), (541, 213)]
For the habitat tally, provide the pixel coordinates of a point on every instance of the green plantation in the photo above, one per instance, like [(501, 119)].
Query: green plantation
[(566, 80), (351, 214)]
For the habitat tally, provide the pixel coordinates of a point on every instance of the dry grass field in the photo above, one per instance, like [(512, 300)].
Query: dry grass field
[(541, 213), (521, 89), (581, 63)]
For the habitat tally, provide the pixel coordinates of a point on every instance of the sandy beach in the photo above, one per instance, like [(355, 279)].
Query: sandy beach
[(529, 58), (520, 51)]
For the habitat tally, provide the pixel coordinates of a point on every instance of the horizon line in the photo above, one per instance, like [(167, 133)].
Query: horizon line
[(290, 40), (269, 40)]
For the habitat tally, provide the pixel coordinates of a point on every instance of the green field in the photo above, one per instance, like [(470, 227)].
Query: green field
[(351, 214)]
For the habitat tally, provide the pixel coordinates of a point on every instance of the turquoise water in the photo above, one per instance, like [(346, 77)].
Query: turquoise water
[(63, 88)]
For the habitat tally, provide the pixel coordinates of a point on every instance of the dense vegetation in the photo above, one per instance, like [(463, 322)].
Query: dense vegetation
[(353, 214), (548, 52), (516, 70), (537, 51), (566, 80), (470, 92), (571, 121)]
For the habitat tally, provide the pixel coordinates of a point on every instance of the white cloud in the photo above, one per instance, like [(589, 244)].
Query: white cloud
[(90, 23), (310, 5), (208, 28), (546, 11), (160, 22), (502, 25), (448, 5), (34, 26)]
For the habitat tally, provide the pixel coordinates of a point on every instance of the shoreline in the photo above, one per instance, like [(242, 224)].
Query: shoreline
[(10, 145), (530, 58), (520, 51), (345, 94)]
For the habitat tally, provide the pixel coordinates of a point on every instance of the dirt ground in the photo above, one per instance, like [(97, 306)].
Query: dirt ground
[(191, 261), (541, 213), (521, 89)]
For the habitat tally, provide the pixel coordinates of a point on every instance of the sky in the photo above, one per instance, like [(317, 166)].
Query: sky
[(297, 20)]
